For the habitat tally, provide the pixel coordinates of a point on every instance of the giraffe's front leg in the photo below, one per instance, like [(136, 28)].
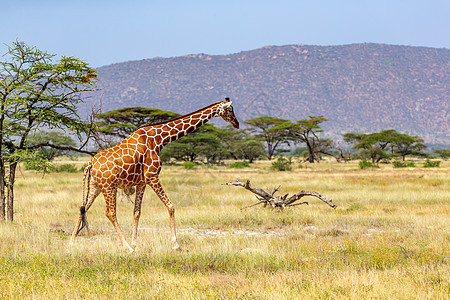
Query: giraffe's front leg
[(157, 187), (137, 212)]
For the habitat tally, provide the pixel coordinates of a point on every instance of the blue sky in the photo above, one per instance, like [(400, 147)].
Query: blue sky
[(105, 32)]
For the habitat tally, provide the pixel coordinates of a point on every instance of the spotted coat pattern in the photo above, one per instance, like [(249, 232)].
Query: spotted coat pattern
[(135, 162)]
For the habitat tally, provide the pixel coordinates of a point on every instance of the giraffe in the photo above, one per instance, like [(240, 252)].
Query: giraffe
[(134, 162)]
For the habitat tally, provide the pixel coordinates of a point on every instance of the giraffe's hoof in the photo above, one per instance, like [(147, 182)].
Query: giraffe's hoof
[(129, 249), (176, 247)]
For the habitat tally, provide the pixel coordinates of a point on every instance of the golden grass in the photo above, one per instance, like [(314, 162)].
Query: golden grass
[(388, 238)]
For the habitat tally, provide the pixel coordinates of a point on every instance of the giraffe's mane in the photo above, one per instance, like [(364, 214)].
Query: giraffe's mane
[(177, 118)]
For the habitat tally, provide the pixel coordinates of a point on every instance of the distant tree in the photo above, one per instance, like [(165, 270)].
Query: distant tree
[(385, 144), (372, 146), (251, 149), (241, 144), (204, 142), (230, 139), (443, 153), (404, 145), (124, 121), (298, 150), (36, 93), (54, 138), (266, 128), (303, 131), (329, 147)]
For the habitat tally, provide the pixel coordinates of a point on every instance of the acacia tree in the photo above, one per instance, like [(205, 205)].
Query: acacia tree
[(408, 145), (385, 144), (203, 142), (329, 147), (37, 93), (123, 121), (443, 153), (267, 129), (54, 138), (373, 145), (241, 144), (304, 131)]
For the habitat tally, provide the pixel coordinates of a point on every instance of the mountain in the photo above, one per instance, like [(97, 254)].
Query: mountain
[(359, 87)]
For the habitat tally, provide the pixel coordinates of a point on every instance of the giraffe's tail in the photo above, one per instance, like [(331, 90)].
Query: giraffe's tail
[(87, 171), (83, 219)]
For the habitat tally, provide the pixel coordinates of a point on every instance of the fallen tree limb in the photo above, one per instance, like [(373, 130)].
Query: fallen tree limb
[(268, 197)]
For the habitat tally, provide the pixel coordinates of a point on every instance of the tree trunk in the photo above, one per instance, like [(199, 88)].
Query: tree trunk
[(2, 190), (269, 153), (2, 164), (12, 177), (310, 152)]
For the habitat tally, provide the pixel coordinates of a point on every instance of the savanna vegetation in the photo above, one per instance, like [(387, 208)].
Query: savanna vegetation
[(388, 237)]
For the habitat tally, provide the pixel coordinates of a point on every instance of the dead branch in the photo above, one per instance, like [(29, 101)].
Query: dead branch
[(269, 199)]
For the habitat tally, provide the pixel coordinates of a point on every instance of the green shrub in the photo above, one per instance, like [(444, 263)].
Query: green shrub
[(68, 168), (39, 165), (188, 165), (365, 164), (282, 164), (432, 163), (239, 164), (403, 164)]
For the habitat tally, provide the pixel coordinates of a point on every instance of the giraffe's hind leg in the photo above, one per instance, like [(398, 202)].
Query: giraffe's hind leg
[(110, 199), (137, 212), (94, 191), (157, 187)]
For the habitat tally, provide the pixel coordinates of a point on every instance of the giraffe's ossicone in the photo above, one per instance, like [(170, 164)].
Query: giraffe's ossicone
[(135, 162)]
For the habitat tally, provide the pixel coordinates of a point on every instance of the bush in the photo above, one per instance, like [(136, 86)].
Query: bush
[(38, 166), (68, 168), (365, 164), (282, 164), (188, 165), (239, 164), (432, 164), (402, 164)]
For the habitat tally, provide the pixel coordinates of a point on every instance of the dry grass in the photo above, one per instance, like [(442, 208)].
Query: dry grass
[(388, 238)]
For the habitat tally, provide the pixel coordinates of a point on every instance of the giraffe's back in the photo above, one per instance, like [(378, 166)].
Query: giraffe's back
[(120, 166)]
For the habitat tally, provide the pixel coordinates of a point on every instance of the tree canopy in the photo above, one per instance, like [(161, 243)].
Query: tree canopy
[(203, 142), (304, 131), (123, 121), (385, 144), (55, 138), (36, 93), (268, 130)]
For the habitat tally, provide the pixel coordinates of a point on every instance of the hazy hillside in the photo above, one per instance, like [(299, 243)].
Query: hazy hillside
[(359, 87)]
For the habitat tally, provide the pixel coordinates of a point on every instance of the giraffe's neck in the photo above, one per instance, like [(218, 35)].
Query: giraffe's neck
[(172, 130)]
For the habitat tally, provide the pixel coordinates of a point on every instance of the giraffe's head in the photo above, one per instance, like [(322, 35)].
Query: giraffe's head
[(226, 112)]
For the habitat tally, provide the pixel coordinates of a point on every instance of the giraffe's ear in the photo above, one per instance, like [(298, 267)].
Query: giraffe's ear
[(226, 104)]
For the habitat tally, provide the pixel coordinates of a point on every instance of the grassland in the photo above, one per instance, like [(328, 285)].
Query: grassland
[(388, 238)]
